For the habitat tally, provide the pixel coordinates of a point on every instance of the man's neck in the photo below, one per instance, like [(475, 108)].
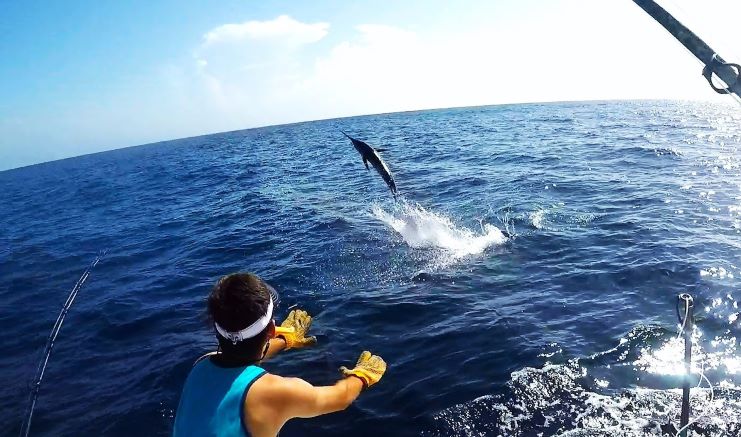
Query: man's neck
[(227, 360)]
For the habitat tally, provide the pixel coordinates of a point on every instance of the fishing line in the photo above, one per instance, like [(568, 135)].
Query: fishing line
[(736, 98), (26, 427)]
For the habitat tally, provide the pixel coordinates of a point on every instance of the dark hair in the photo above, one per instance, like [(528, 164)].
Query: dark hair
[(237, 301)]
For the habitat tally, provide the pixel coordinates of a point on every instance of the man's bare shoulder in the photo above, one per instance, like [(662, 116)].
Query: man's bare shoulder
[(271, 400), (275, 387)]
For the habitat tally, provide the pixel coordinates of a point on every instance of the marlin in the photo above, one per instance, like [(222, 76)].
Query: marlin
[(369, 154)]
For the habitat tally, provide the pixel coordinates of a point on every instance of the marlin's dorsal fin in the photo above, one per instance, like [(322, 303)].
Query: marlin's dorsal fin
[(380, 150)]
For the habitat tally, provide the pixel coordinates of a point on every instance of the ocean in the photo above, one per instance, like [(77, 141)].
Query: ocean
[(567, 328)]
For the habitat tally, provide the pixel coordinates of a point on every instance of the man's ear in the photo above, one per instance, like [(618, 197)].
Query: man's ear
[(271, 329)]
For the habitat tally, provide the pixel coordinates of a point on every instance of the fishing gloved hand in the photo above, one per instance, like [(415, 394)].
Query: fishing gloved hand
[(293, 330), (369, 368)]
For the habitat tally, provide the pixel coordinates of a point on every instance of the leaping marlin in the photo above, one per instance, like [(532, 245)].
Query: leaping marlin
[(369, 154)]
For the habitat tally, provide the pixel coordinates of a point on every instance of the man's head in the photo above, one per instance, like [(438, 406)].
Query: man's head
[(240, 306)]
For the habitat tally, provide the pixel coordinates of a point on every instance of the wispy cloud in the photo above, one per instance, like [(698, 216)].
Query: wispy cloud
[(265, 72), (240, 67), (283, 29)]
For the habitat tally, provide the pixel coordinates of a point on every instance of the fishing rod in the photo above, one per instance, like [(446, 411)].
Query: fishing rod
[(714, 64), (26, 426)]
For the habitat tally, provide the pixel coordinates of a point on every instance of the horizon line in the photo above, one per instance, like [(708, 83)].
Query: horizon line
[(348, 117)]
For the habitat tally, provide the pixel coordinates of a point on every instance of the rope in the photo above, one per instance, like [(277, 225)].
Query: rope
[(26, 427)]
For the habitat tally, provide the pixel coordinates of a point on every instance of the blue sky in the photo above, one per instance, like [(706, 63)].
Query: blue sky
[(79, 77)]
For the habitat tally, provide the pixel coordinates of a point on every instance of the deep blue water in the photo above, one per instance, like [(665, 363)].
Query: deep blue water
[(567, 328)]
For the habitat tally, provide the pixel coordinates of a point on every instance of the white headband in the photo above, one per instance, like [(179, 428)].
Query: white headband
[(249, 331)]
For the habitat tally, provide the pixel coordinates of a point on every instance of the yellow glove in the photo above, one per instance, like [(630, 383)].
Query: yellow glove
[(370, 369), (293, 330)]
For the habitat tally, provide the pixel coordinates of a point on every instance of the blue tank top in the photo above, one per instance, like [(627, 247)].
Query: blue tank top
[(212, 403)]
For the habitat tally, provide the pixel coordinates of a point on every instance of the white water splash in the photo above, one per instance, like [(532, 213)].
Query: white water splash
[(557, 399), (421, 228), (717, 272), (537, 217)]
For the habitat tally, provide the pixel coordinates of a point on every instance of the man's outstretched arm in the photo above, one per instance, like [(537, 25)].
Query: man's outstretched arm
[(297, 398), (275, 346), (273, 400), (287, 398), (291, 334)]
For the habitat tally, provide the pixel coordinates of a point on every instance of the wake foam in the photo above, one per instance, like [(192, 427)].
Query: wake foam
[(421, 228), (584, 397)]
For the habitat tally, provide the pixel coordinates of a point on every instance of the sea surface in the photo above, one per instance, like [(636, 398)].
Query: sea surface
[(567, 327)]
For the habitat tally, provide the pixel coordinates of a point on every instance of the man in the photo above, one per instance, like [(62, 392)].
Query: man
[(228, 394)]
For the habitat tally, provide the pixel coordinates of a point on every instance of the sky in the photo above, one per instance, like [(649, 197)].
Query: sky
[(79, 77)]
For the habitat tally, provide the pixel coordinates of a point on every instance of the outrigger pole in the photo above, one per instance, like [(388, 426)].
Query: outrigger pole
[(714, 64)]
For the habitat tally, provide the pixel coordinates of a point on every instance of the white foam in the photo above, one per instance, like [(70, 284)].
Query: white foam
[(558, 399), (421, 228), (717, 272), (553, 401)]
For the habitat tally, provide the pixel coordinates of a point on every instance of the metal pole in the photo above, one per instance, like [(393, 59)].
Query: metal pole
[(687, 325)]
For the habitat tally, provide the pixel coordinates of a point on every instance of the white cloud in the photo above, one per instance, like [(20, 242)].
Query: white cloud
[(238, 68), (260, 73), (271, 72), (284, 29)]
